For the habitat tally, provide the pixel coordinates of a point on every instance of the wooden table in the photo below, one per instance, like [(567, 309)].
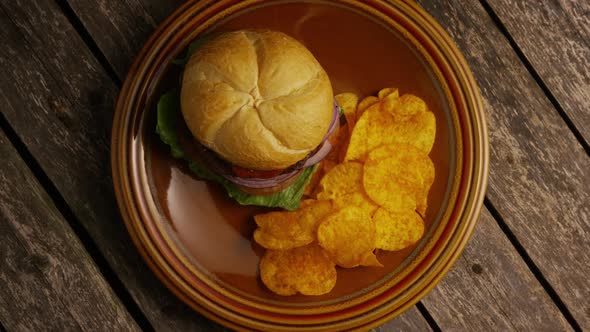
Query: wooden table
[(67, 263)]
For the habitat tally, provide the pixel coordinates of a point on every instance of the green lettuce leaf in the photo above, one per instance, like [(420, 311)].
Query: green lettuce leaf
[(167, 118), (166, 124)]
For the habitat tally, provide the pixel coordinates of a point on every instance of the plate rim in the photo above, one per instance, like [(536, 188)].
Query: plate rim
[(472, 104)]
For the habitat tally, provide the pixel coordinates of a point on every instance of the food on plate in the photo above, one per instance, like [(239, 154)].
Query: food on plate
[(404, 119), (254, 113), (343, 185), (291, 229), (364, 104), (341, 180), (392, 93), (307, 270), (370, 194), (410, 174), (397, 230), (349, 237)]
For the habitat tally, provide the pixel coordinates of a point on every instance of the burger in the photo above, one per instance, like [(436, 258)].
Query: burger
[(254, 113)]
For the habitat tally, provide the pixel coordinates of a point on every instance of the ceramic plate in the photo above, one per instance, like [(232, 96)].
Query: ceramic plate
[(199, 242)]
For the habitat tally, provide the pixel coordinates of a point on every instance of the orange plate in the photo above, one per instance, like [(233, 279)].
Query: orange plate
[(199, 243)]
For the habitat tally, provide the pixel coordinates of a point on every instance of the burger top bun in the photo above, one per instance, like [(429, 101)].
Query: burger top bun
[(259, 99)]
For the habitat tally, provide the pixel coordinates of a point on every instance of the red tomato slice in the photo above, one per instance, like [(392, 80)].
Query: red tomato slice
[(248, 173)]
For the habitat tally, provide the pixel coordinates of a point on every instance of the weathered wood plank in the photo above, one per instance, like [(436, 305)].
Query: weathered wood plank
[(559, 51), (33, 295), (49, 281), (59, 100), (539, 173), (410, 320), (69, 103), (491, 289), (117, 44)]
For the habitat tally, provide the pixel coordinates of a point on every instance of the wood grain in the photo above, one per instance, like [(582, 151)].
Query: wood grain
[(491, 289), (48, 280), (539, 173), (60, 102), (410, 320), (559, 51), (125, 34)]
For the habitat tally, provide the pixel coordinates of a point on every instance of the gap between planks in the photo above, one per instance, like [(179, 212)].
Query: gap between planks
[(89, 41), (532, 266), (502, 28), (86, 240), (428, 317), (494, 212)]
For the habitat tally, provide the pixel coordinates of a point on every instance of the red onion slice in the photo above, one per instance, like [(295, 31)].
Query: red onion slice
[(319, 155), (325, 146), (334, 122)]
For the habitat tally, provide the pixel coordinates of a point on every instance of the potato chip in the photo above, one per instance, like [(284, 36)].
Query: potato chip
[(391, 93), (397, 176), (417, 163), (359, 138), (349, 237), (416, 125), (396, 231), (365, 104), (313, 188), (358, 199), (307, 270), (370, 259), (348, 102), (427, 174), (402, 121), (290, 229), (418, 130), (328, 165), (343, 179), (390, 99), (410, 105), (344, 186), (393, 194), (357, 144), (419, 167)]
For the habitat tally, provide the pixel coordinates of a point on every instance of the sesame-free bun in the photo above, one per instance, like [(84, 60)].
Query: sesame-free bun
[(259, 99)]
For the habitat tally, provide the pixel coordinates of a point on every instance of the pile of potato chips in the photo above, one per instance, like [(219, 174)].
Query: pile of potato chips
[(370, 193)]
